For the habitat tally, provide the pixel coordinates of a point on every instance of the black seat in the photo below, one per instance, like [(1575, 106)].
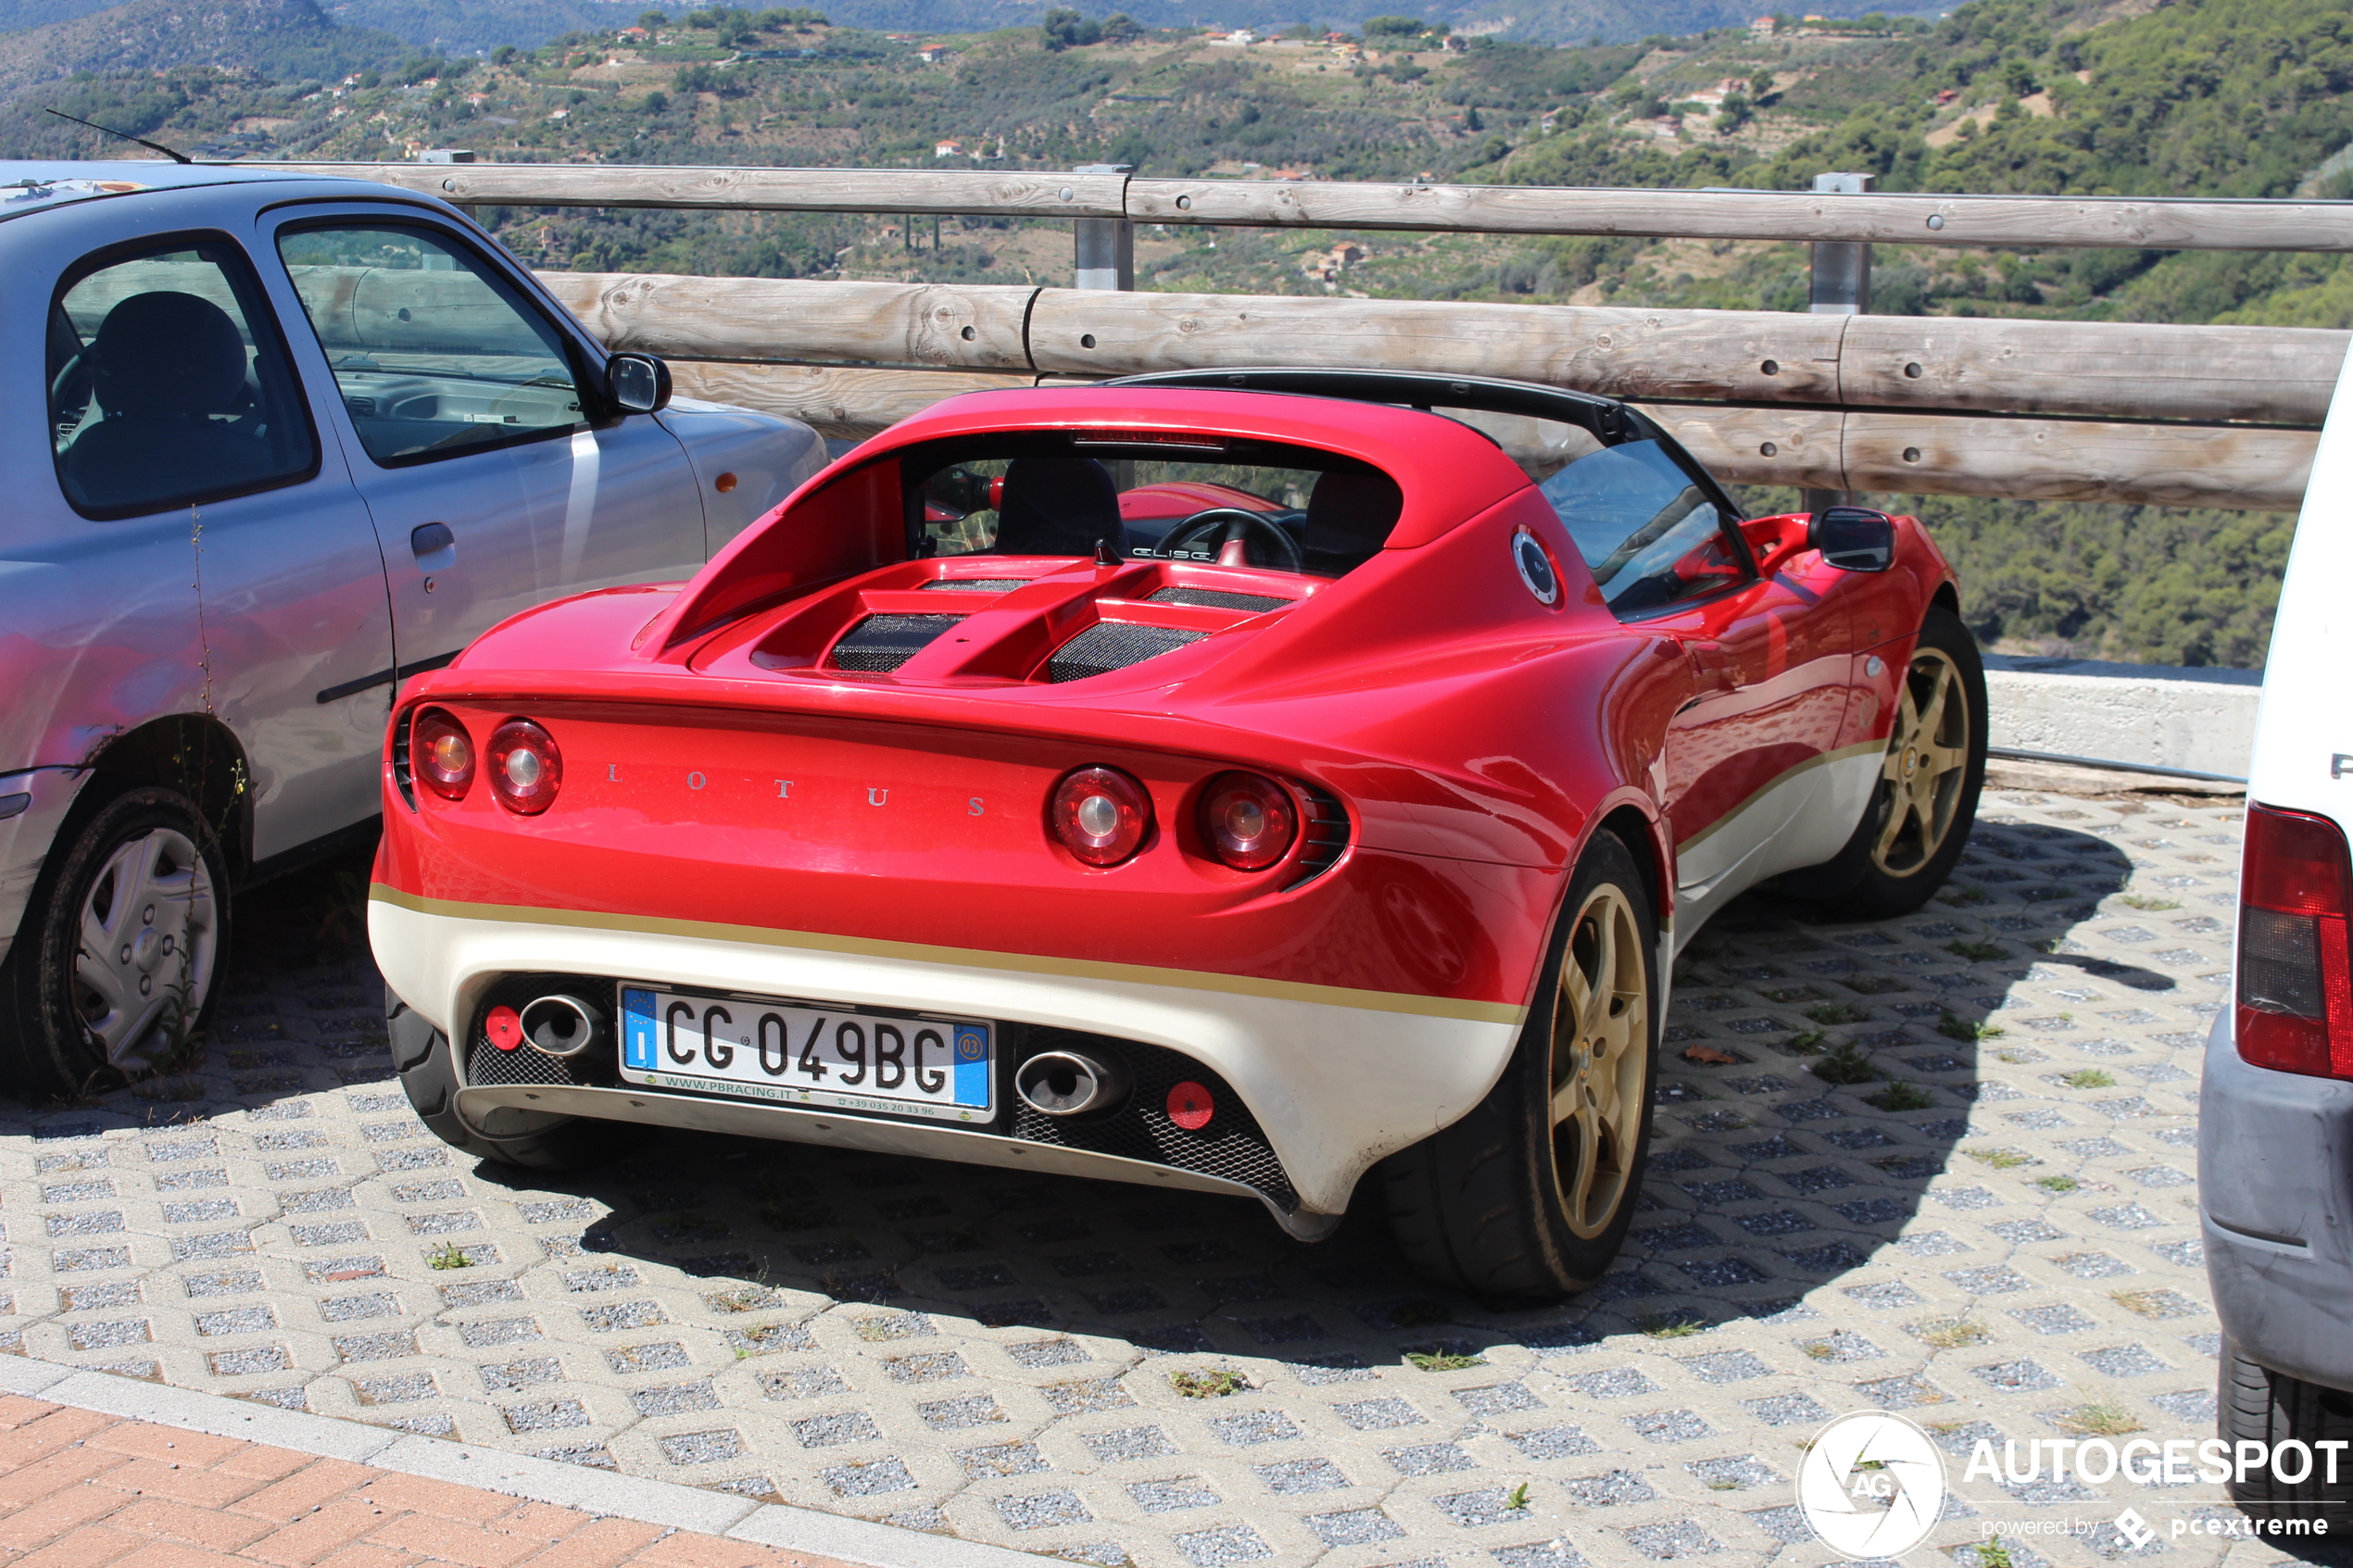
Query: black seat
[(163, 365), (1350, 514), (1058, 507)]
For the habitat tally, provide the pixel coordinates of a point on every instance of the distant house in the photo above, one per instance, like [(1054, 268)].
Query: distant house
[(1946, 95), (948, 149), (1326, 266), (635, 33), (1241, 38), (1763, 27), (931, 55)]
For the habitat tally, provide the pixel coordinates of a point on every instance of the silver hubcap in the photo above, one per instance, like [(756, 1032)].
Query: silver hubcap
[(1601, 1062), (1927, 763), (150, 931)]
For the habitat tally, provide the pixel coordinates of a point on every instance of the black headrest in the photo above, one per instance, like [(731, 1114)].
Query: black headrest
[(1350, 514), (1058, 507), (167, 353)]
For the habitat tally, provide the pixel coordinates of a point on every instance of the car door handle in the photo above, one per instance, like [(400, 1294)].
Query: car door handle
[(434, 545)]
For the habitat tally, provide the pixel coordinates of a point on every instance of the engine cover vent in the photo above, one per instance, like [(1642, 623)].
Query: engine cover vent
[(882, 643), (1217, 598), (1113, 644), (975, 585)]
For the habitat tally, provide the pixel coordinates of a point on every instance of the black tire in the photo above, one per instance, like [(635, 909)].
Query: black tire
[(532, 1139), (60, 1033), (2256, 1403), (1479, 1205), (1857, 884)]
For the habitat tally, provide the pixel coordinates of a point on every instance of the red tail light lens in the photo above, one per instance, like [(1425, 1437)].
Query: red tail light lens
[(2295, 984), (1100, 815), (525, 767), (1248, 821), (441, 755)]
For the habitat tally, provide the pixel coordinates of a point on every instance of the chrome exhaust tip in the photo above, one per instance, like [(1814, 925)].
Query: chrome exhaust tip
[(1071, 1083), (562, 1027)]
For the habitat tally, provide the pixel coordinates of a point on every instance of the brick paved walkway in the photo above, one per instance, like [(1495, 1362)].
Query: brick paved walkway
[(79, 1489), (2003, 1244)]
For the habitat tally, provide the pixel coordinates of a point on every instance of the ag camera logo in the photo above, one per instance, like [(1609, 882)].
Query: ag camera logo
[(1871, 1485)]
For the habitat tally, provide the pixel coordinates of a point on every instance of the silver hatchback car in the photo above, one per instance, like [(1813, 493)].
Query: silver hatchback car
[(301, 438)]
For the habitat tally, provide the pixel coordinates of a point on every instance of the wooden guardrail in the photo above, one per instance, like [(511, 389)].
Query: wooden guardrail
[(2113, 412), (2180, 224), (869, 354)]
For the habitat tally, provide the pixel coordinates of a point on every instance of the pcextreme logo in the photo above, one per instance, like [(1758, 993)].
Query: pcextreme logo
[(1872, 1485)]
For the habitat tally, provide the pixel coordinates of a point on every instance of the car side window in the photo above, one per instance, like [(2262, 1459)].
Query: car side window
[(434, 353), (170, 386), (1651, 534)]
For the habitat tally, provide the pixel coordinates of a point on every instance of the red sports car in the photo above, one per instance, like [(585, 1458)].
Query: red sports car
[(1239, 782)]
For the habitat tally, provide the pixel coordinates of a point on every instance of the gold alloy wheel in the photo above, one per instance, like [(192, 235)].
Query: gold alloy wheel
[(1927, 763), (1601, 1062)]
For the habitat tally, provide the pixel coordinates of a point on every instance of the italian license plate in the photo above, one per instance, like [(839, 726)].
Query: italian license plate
[(800, 1053)]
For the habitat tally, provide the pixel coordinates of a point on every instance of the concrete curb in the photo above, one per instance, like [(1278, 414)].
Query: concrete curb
[(665, 1503)]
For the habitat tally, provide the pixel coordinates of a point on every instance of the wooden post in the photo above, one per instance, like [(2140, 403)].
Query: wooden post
[(1841, 286)]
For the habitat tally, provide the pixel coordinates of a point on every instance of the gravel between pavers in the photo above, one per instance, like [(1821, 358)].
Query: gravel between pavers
[(988, 1354)]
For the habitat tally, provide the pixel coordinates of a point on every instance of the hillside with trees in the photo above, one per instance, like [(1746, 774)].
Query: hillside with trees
[(2217, 97)]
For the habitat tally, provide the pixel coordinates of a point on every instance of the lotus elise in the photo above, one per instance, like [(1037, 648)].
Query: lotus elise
[(1247, 782)]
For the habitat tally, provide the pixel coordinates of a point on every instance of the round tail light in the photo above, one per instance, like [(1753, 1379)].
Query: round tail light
[(1248, 821), (1191, 1106), (1100, 815), (525, 767), (441, 755)]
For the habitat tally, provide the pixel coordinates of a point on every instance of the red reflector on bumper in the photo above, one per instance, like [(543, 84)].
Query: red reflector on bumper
[(1190, 1106), (505, 1028)]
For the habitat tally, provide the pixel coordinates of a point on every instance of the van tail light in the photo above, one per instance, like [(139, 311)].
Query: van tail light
[(2295, 984), (441, 755), (1101, 815), (525, 767), (1248, 821)]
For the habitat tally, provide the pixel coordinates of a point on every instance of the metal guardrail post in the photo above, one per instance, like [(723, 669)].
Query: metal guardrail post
[(1841, 286), (1104, 247)]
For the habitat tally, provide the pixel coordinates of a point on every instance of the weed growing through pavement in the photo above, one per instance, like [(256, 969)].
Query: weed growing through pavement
[(1950, 1334), (2101, 1419), (1992, 1554), (2002, 1158), (2088, 1078), (1517, 1497), (1443, 1361), (1838, 1012), (1900, 1095), (1215, 1384), (2140, 901), (1847, 1064), (1804, 1043), (2058, 1183), (450, 1255), (2148, 1303), (1954, 1027), (1976, 952), (1672, 1328)]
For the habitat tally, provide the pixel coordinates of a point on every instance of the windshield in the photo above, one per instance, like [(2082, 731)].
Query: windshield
[(1257, 504)]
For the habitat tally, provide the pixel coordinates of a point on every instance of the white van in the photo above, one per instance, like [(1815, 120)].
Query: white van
[(2275, 1138)]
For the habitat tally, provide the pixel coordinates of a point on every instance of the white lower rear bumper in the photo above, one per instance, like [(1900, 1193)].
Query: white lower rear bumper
[(1335, 1078)]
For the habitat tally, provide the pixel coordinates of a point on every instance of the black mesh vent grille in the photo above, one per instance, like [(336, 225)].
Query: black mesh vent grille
[(1231, 1145), (975, 585), (1217, 598), (1114, 644), (885, 641), (488, 1066), (1326, 826)]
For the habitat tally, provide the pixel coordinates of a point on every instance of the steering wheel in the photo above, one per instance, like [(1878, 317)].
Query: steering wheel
[(75, 378), (1236, 525)]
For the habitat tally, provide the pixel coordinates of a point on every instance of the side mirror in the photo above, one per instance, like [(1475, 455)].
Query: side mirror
[(1853, 538), (636, 383)]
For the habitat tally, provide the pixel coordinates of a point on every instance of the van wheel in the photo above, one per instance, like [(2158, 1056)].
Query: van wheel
[(120, 955), (2260, 1405), (1530, 1194), (535, 1140), (1925, 800)]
